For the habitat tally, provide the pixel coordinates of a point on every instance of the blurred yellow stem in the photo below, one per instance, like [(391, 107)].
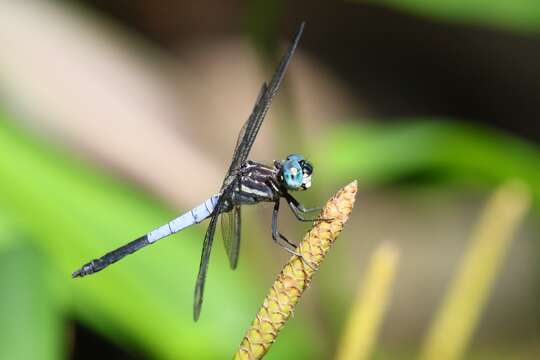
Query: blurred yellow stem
[(370, 305), (459, 313)]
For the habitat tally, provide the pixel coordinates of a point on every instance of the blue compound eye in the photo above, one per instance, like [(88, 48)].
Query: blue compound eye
[(292, 174), (295, 157)]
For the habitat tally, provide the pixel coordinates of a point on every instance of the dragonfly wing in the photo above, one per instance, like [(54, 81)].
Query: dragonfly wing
[(226, 231), (231, 232), (205, 257), (243, 130), (263, 104), (249, 131), (246, 128)]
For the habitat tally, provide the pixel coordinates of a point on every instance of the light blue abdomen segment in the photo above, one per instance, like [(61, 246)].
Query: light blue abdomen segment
[(194, 216)]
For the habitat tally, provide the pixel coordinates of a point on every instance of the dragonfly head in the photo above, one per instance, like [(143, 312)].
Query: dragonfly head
[(295, 172)]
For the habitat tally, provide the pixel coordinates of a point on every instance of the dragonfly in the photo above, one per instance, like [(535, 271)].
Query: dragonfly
[(246, 183)]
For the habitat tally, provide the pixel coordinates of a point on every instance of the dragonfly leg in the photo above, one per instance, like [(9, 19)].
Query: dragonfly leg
[(299, 209), (276, 235), (306, 210)]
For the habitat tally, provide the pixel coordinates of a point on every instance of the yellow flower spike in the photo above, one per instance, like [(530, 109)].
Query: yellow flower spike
[(370, 305), (459, 314), (296, 276)]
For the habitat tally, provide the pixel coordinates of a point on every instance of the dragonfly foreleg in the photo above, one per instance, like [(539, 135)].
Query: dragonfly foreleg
[(299, 209), (306, 210)]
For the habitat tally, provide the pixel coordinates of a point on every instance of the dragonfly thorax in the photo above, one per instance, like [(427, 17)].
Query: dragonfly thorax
[(295, 172)]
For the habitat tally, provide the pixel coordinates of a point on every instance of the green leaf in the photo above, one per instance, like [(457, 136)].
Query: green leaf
[(5, 232), (517, 15), (31, 323), (455, 151)]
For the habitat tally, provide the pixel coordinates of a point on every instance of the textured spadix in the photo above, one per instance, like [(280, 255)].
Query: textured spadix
[(296, 275)]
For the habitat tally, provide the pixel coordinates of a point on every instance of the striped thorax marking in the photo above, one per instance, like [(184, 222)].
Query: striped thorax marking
[(259, 191), (255, 182)]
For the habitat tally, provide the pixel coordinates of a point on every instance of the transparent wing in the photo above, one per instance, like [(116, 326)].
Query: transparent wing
[(231, 232), (266, 98), (235, 163), (249, 131), (205, 257)]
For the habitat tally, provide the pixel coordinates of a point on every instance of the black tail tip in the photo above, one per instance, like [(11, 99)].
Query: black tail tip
[(77, 273), (85, 270), (196, 314)]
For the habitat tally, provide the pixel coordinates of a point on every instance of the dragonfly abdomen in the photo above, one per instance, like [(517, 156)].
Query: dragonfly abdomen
[(111, 257), (193, 216)]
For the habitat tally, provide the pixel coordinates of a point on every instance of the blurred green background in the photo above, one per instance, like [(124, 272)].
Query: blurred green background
[(116, 116)]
